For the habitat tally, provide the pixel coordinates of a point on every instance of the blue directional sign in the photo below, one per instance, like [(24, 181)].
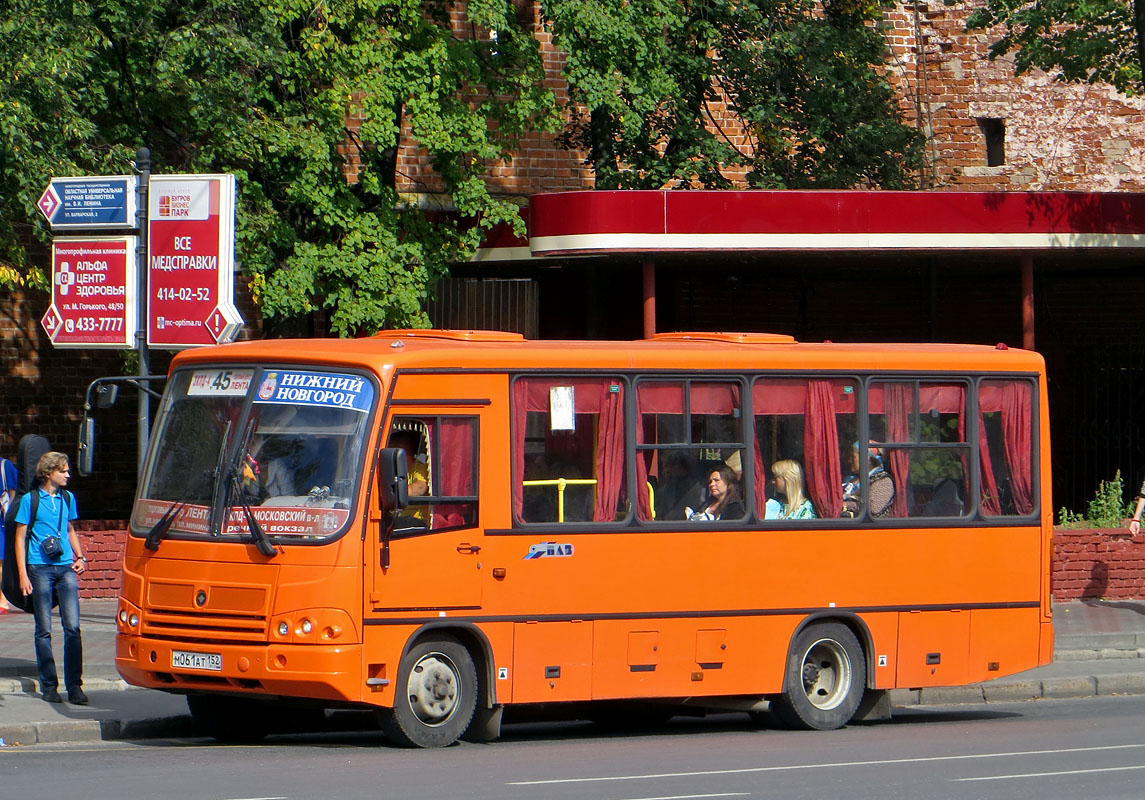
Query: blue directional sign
[(95, 202)]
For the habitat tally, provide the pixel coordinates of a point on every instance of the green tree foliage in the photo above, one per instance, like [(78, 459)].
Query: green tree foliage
[(1075, 40), (266, 89), (263, 88), (801, 80)]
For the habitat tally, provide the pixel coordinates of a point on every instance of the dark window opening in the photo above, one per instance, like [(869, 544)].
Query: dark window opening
[(995, 132)]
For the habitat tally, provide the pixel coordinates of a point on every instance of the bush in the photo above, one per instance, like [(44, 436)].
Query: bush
[(1105, 510)]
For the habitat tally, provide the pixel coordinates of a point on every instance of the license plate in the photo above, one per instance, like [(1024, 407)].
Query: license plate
[(182, 659)]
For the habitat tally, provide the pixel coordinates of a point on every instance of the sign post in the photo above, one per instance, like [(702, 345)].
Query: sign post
[(93, 292), (190, 260)]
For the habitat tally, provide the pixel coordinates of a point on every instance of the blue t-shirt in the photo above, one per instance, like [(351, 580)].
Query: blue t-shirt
[(9, 484), (52, 519)]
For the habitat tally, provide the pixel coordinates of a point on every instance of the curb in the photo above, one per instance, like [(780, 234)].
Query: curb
[(91, 684), (1070, 688)]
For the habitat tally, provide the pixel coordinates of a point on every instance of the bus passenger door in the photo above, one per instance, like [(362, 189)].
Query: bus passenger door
[(432, 559)]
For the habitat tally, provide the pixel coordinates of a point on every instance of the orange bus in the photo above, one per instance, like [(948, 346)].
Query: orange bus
[(440, 524)]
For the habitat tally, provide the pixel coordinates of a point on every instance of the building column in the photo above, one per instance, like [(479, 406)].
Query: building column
[(1028, 301), (649, 299)]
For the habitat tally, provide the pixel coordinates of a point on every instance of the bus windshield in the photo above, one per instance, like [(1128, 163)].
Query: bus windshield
[(287, 444)]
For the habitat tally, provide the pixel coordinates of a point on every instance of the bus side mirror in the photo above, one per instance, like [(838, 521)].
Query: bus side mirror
[(393, 479), (106, 395), (86, 455)]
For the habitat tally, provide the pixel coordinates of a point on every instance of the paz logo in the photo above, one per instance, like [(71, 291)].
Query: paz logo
[(548, 550)]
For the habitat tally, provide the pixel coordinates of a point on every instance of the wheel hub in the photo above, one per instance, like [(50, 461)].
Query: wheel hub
[(433, 689), (827, 674)]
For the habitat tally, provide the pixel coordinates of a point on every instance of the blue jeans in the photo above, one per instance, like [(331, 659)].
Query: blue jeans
[(58, 579)]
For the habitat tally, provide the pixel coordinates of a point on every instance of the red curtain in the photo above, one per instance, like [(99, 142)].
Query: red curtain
[(821, 456), (520, 391), (760, 481), (455, 457), (1016, 439), (989, 487), (899, 399), (609, 455)]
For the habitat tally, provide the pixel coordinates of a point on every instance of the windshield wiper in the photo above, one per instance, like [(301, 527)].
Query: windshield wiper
[(257, 534), (219, 485), (156, 534)]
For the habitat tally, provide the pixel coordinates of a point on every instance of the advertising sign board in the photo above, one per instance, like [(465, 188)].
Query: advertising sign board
[(190, 260), (93, 292), (100, 202)]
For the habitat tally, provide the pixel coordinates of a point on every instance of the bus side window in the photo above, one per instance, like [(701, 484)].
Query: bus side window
[(568, 450), (806, 421), (441, 454), (1005, 410), (686, 430), (918, 437)]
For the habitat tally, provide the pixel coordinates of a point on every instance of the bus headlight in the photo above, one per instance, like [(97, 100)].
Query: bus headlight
[(283, 628)]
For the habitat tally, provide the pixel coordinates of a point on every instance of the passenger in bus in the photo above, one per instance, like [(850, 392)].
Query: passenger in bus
[(679, 485), (789, 485), (418, 480), (723, 497), (881, 485)]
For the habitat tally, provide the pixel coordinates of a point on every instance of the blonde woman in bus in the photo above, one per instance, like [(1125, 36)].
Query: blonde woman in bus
[(789, 484), (723, 497)]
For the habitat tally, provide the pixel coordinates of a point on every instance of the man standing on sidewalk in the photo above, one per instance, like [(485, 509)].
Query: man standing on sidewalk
[(49, 559)]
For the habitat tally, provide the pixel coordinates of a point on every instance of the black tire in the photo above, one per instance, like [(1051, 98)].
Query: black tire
[(436, 694), (825, 679), (231, 719)]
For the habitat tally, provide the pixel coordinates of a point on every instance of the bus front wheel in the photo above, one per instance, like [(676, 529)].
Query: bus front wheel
[(825, 679), (436, 695)]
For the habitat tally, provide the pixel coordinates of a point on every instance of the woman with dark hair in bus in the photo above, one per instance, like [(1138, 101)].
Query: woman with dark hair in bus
[(723, 497), (789, 484)]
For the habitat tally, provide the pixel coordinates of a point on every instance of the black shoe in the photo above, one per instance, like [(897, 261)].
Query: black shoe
[(76, 696), (52, 696)]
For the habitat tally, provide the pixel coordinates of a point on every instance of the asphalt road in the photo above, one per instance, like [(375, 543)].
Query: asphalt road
[(1091, 748)]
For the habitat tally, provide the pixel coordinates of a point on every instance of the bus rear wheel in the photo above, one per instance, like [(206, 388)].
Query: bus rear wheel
[(436, 695), (825, 679)]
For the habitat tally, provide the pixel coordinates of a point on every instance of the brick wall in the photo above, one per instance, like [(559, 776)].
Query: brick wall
[(1057, 136), (1105, 563), (102, 542), (1087, 563)]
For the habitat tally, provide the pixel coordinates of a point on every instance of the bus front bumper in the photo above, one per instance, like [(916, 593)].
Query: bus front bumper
[(326, 672)]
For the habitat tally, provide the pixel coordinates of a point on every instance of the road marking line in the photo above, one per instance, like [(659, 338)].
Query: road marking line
[(1052, 774), (830, 765), (693, 796)]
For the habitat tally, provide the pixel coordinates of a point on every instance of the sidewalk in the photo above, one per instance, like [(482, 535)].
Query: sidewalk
[(1100, 650)]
